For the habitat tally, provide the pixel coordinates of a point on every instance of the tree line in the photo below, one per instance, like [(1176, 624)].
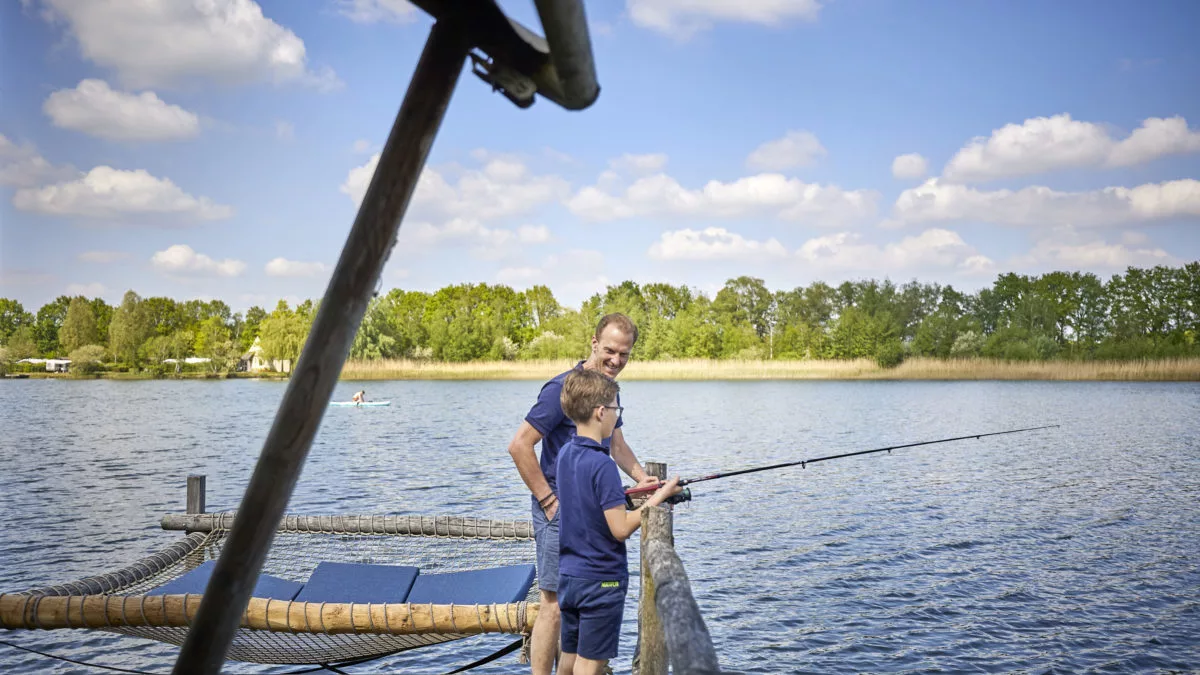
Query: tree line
[(1143, 313)]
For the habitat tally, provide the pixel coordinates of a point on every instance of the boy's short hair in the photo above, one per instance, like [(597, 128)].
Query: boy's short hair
[(583, 391)]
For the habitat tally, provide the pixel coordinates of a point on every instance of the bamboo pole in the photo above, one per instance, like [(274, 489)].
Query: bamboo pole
[(21, 611), (309, 389), (427, 526)]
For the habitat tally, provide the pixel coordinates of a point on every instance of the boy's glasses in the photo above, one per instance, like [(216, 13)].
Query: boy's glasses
[(618, 408)]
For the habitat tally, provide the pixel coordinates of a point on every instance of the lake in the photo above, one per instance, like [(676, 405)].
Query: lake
[(1066, 550)]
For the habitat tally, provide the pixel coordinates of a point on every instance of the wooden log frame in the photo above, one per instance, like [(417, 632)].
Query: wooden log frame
[(27, 611), (685, 636), (419, 526)]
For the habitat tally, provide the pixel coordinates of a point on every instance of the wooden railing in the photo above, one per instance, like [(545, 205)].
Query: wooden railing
[(670, 627)]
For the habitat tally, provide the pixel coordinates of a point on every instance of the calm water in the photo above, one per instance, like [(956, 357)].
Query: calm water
[(1068, 550)]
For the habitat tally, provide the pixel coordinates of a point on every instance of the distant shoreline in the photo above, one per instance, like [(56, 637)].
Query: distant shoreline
[(1164, 370)]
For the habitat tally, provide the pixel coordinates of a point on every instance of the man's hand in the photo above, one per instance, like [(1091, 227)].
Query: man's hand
[(648, 480), (551, 510)]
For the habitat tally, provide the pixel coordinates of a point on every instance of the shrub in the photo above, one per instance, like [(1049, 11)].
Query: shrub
[(87, 359), (890, 354)]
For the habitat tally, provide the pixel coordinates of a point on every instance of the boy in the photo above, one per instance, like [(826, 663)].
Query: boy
[(593, 571)]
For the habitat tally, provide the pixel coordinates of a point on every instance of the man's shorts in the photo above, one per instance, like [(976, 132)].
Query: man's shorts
[(546, 535), (591, 616)]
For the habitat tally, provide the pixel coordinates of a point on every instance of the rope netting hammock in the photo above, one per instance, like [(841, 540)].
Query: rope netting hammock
[(333, 588)]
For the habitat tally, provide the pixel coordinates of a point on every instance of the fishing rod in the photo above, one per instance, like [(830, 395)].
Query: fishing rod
[(803, 463)]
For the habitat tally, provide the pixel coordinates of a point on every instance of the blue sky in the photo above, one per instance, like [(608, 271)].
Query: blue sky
[(218, 149)]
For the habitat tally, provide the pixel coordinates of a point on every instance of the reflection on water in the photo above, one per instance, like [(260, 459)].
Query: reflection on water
[(1068, 550)]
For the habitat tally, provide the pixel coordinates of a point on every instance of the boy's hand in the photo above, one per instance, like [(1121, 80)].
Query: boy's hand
[(668, 489)]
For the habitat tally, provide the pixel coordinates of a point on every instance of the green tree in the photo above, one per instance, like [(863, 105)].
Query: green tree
[(164, 316), (12, 317), (254, 317), (49, 320), (283, 333), (22, 344), (129, 329), (103, 312), (374, 339), (79, 326)]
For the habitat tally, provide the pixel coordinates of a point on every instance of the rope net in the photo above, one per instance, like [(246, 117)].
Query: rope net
[(435, 544)]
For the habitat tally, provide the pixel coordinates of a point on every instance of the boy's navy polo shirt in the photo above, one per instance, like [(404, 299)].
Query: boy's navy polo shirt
[(555, 427), (588, 485)]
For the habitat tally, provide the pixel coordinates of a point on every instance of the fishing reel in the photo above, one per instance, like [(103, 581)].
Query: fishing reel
[(685, 496)]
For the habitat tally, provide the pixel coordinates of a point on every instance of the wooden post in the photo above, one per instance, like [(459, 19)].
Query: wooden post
[(195, 493), (650, 654), (316, 373)]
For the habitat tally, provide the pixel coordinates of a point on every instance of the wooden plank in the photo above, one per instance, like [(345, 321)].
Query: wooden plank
[(309, 389)]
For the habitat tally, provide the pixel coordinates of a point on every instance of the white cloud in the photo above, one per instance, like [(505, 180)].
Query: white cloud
[(639, 164), (284, 130), (105, 192), (282, 267), (681, 18), (92, 290), (484, 242), (372, 11), (161, 43), (97, 110), (1067, 247), (933, 248), (22, 166), (1043, 144), (935, 201), (713, 243), (909, 166), (501, 188), (102, 257), (181, 259), (574, 275), (762, 195), (796, 148)]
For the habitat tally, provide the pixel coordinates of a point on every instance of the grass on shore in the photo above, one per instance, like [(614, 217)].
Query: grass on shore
[(861, 369), (1162, 370)]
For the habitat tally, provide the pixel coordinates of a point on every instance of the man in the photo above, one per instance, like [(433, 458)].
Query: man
[(611, 345)]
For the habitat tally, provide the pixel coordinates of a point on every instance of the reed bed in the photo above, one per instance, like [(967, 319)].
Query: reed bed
[(1187, 369)]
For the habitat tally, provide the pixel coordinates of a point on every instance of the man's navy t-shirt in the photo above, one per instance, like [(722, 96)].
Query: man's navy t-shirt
[(555, 427), (588, 485)]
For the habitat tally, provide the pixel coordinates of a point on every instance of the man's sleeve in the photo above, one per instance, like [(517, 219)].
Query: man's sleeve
[(547, 413), (608, 487), (621, 419)]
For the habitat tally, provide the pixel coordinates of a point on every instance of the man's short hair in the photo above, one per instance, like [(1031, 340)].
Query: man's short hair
[(583, 391), (620, 321)]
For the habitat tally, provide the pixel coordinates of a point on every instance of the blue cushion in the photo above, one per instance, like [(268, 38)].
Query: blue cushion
[(358, 582), (474, 587), (196, 581)]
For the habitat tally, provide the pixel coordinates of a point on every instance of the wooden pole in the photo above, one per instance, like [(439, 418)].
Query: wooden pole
[(195, 493), (650, 654), (307, 396), (103, 611)]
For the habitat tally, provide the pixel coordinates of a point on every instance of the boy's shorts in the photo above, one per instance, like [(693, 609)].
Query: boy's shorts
[(591, 616), (545, 534)]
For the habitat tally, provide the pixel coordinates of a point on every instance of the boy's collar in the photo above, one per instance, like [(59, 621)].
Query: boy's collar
[(591, 443)]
